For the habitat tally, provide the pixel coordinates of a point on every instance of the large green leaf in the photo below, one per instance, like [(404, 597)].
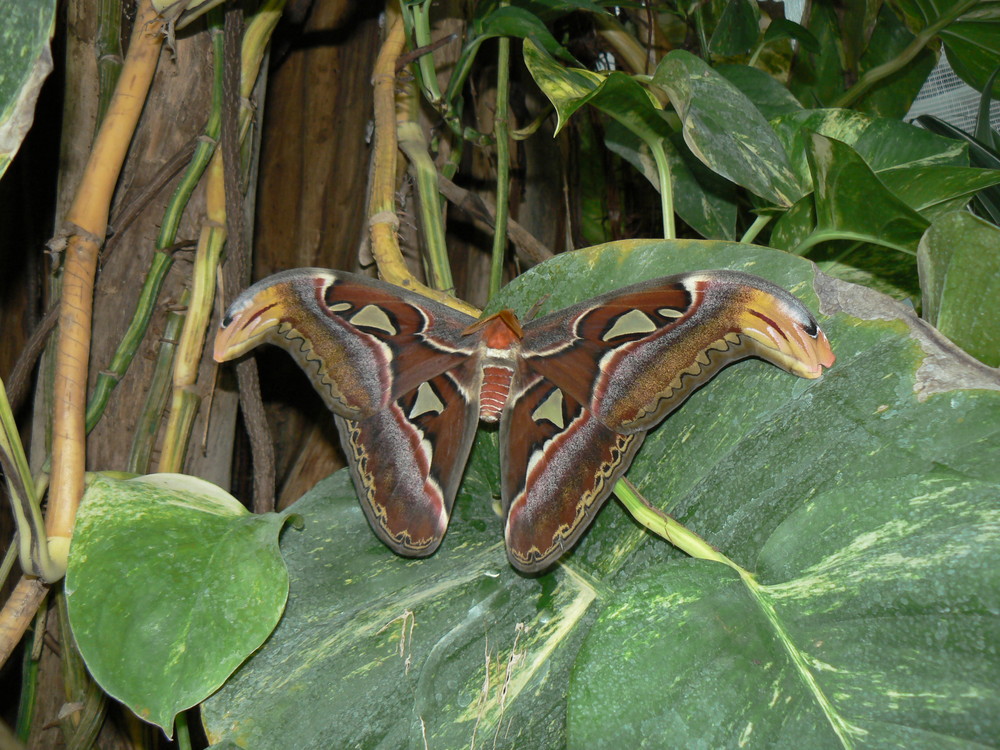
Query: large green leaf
[(970, 30), (933, 191), (171, 585), (959, 259), (25, 63), (737, 29), (766, 93), (882, 142), (889, 41), (864, 503), (885, 168), (725, 130), (852, 203)]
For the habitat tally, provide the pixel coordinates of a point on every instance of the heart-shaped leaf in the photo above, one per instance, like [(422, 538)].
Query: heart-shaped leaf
[(959, 259), (171, 584)]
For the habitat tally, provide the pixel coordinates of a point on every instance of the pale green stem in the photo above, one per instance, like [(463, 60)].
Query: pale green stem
[(758, 224), (183, 735), (414, 145), (425, 63), (687, 541), (144, 438), (7, 564), (108, 51), (163, 259), (32, 542), (501, 133), (817, 237), (666, 190), (667, 528)]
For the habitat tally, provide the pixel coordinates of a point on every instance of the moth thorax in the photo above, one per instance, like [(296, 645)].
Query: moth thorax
[(494, 391)]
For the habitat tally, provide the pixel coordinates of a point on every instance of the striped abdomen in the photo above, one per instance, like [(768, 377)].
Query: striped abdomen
[(494, 391)]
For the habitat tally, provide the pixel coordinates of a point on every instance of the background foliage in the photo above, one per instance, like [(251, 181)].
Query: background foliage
[(861, 508)]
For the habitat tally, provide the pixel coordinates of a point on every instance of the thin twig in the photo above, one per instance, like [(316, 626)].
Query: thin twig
[(530, 247)]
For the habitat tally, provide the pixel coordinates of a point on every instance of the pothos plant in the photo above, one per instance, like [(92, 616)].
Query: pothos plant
[(854, 517)]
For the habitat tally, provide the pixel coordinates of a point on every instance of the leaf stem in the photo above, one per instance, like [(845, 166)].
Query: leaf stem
[(758, 224), (667, 528), (183, 735), (817, 237), (666, 189), (501, 132), (886, 69)]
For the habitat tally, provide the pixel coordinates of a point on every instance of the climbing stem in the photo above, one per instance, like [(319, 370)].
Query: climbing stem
[(86, 225), (382, 219), (502, 135), (900, 61)]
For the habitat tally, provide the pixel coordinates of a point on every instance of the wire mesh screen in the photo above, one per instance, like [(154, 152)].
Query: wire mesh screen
[(946, 96)]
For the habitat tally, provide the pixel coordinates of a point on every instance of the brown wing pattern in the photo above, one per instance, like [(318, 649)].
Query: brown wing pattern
[(365, 342), (598, 375), (635, 355), (400, 376), (403, 374), (407, 460), (558, 465)]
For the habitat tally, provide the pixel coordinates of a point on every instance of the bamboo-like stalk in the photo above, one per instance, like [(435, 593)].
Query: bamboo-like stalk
[(185, 400), (163, 259), (86, 223), (18, 612), (382, 219)]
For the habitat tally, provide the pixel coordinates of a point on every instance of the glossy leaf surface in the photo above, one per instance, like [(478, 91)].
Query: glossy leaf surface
[(959, 259), (171, 585), (725, 130), (864, 503), (26, 60)]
